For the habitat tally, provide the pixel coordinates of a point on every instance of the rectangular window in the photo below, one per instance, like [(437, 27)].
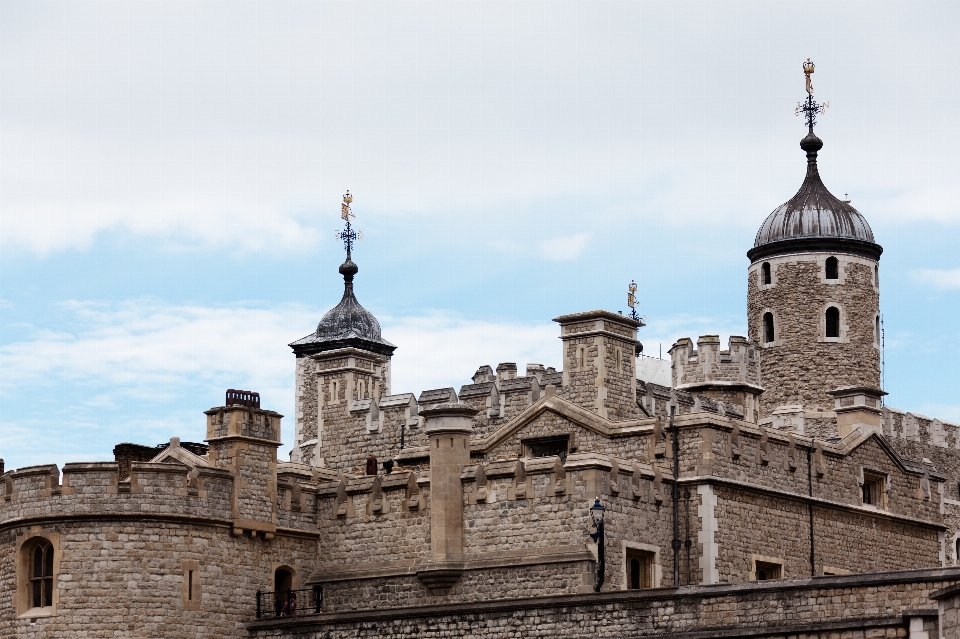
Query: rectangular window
[(874, 490), (641, 565), (765, 570), (547, 447)]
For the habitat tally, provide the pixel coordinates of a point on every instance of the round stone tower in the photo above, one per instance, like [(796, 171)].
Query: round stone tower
[(813, 303)]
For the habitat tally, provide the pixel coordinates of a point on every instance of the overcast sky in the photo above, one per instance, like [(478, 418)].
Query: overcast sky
[(171, 173)]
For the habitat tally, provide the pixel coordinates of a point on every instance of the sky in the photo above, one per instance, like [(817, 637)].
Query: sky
[(171, 176)]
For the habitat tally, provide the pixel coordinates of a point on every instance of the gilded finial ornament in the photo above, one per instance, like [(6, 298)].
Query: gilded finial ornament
[(348, 236), (810, 107), (808, 68), (632, 300)]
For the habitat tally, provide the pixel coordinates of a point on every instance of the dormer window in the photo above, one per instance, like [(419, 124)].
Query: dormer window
[(768, 333), (833, 322), (767, 279), (832, 268)]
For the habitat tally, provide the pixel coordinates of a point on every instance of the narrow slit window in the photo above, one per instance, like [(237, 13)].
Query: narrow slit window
[(833, 270), (876, 331), (768, 333), (833, 322), (766, 273)]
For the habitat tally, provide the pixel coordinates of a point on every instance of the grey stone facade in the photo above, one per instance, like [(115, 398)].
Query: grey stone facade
[(765, 492)]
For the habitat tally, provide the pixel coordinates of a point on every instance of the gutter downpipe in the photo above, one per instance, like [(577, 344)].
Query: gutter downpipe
[(676, 500), (813, 564)]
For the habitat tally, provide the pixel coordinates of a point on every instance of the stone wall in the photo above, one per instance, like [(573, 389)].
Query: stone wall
[(844, 540), (125, 577), (860, 606), (802, 364)]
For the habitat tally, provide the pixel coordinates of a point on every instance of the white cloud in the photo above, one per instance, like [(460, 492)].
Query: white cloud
[(240, 129), (943, 279), (564, 249)]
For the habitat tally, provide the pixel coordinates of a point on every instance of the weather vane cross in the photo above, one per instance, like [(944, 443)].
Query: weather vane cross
[(348, 236), (810, 107)]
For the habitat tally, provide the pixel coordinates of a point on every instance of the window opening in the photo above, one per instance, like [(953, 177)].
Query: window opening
[(876, 331), (768, 334), (873, 489), (768, 570), (640, 567), (766, 273), (41, 576), (833, 322), (832, 268), (190, 585), (956, 554), (876, 275), (548, 447)]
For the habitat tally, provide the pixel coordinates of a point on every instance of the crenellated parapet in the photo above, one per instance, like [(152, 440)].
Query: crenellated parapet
[(731, 376), (95, 489)]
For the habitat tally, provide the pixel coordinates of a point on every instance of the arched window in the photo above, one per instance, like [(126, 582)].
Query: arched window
[(833, 322), (768, 334), (876, 331), (766, 273), (41, 574), (832, 268), (876, 275)]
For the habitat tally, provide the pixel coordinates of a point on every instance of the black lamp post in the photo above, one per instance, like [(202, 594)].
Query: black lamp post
[(596, 512)]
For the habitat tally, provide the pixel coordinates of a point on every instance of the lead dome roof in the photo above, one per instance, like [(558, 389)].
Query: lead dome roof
[(346, 324), (814, 219)]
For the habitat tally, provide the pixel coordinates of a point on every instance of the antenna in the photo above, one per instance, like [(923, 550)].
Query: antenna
[(883, 361)]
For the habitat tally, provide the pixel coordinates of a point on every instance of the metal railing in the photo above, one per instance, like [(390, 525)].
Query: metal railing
[(290, 603)]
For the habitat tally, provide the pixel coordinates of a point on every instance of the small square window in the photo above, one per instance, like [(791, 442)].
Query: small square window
[(640, 569), (766, 570), (874, 490)]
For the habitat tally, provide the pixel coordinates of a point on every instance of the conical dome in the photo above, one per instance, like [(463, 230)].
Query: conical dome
[(346, 324), (814, 219), (348, 318)]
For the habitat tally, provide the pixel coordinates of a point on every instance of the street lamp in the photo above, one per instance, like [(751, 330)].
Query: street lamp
[(596, 513)]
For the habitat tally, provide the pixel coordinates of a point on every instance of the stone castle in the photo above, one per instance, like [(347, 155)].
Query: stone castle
[(767, 491)]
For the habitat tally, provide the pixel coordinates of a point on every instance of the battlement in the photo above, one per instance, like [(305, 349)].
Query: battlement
[(731, 375), (95, 488)]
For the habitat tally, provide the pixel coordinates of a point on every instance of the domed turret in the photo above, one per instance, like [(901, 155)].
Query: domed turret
[(814, 219), (813, 299), (342, 370)]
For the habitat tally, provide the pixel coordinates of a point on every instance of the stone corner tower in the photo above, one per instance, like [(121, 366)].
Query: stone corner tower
[(342, 363), (813, 297)]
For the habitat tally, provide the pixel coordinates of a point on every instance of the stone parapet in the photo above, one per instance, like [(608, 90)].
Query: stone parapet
[(884, 604)]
